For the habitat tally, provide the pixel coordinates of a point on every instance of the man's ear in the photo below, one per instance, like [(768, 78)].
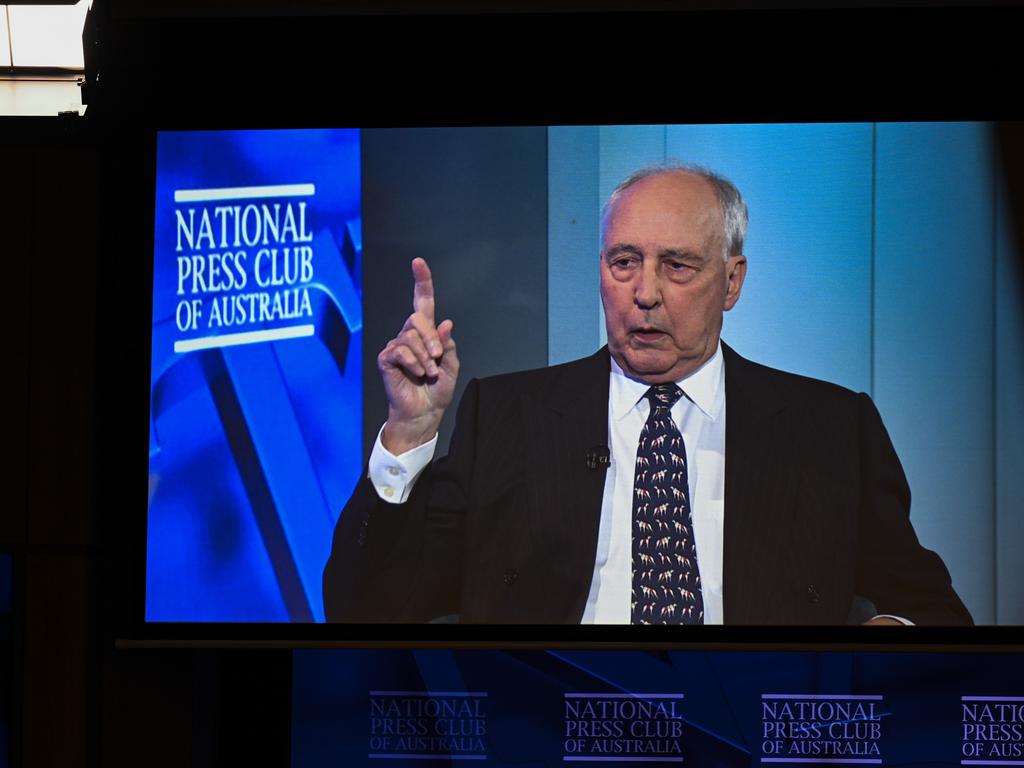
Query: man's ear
[(735, 273)]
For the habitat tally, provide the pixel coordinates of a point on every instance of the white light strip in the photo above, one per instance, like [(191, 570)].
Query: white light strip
[(243, 193), (249, 337)]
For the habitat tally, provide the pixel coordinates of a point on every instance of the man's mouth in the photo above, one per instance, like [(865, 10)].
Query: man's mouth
[(647, 333)]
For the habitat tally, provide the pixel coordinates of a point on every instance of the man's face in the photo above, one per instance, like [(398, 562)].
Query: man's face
[(664, 283)]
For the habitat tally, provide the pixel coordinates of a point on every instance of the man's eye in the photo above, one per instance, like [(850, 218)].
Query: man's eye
[(677, 266), (625, 262)]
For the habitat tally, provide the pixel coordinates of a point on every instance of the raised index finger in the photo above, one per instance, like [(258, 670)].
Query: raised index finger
[(423, 290)]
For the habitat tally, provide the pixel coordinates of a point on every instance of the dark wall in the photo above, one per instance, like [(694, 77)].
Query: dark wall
[(49, 522)]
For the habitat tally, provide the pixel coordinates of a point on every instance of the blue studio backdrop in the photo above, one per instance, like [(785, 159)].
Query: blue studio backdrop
[(256, 383)]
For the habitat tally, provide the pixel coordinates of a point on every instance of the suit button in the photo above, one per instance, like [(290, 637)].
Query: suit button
[(510, 577), (812, 594)]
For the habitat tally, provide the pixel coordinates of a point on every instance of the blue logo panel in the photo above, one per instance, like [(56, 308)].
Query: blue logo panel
[(256, 382)]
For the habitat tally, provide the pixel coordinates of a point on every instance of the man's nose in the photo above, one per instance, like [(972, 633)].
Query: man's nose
[(647, 291)]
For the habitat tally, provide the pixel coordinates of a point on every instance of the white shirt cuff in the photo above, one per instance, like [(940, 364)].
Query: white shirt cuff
[(900, 619), (393, 477)]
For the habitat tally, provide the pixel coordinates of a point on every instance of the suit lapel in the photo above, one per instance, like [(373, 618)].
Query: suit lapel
[(760, 481), (566, 494)]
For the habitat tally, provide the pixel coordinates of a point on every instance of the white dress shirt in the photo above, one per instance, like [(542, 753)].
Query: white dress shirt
[(700, 417)]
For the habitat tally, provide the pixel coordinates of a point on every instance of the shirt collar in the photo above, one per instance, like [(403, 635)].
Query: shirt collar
[(705, 388)]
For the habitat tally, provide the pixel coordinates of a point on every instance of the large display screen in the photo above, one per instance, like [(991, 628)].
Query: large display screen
[(879, 258)]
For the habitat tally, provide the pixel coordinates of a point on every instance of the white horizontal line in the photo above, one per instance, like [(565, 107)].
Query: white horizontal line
[(410, 756), (428, 693), (243, 193), (592, 759), (623, 695), (866, 761), (248, 337), (817, 696), (992, 698)]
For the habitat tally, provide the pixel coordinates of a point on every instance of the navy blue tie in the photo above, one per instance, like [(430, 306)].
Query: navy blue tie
[(666, 579)]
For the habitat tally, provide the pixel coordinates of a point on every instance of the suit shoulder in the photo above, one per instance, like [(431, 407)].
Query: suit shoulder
[(786, 382), (806, 384), (824, 402)]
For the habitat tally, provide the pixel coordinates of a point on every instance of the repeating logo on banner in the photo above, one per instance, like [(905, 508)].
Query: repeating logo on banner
[(822, 728), (428, 725), (993, 730), (623, 727)]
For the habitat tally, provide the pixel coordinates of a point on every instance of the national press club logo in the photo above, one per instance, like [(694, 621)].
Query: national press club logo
[(623, 727), (822, 728), (428, 725), (993, 730)]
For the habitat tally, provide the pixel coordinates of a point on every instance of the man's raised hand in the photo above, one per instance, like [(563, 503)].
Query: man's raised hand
[(419, 368)]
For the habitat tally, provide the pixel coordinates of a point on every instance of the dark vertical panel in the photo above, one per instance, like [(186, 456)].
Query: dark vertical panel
[(14, 319), (473, 203), (49, 190), (6, 657), (62, 288), (57, 629), (255, 708), (57, 660), (1009, 381), (160, 709)]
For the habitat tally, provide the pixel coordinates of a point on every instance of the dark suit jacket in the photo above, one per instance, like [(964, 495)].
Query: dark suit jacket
[(505, 528)]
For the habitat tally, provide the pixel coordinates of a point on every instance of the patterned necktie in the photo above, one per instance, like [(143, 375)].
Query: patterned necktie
[(666, 580)]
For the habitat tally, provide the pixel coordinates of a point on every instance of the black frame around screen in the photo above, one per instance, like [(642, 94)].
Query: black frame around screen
[(541, 70)]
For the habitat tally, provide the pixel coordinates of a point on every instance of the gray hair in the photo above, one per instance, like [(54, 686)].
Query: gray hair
[(734, 210)]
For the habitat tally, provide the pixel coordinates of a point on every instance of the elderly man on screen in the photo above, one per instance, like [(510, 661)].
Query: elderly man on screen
[(663, 480)]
